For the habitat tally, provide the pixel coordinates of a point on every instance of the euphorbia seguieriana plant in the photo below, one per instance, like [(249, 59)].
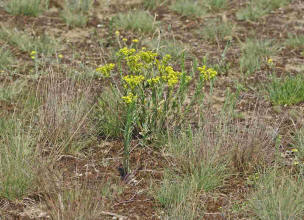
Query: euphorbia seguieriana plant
[(156, 96)]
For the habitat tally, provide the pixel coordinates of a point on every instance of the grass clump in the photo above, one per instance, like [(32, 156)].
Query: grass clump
[(287, 91), (193, 8), (295, 41), (10, 92), (278, 196), (79, 201), (199, 169), (179, 198), (109, 115), (26, 7), (189, 8), (16, 176), (63, 117), (153, 4), (216, 31), (138, 20), (259, 8), (254, 52), (216, 5), (76, 12), (299, 143), (6, 58), (172, 47), (41, 44)]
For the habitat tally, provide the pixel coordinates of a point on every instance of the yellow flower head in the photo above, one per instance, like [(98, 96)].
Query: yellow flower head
[(117, 33), (295, 162), (134, 63), (106, 69), (130, 98), (135, 40), (126, 51), (188, 79), (33, 54), (153, 81), (294, 150), (270, 61), (208, 74), (171, 76), (167, 58), (147, 56), (133, 80), (60, 56), (124, 39)]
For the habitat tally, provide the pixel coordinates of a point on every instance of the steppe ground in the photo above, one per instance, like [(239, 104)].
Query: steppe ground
[(66, 135)]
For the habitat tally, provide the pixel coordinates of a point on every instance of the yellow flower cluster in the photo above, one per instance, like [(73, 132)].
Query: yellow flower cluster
[(269, 61), (147, 56), (171, 76), (208, 74), (134, 63), (129, 98), (142, 72), (33, 54), (126, 51), (106, 69), (166, 58), (133, 80), (162, 64), (153, 80), (139, 61), (188, 79)]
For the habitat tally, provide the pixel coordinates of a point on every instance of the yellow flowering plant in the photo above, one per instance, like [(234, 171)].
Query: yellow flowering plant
[(155, 95), (105, 70)]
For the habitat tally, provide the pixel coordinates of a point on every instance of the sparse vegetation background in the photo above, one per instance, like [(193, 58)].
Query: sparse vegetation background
[(151, 109)]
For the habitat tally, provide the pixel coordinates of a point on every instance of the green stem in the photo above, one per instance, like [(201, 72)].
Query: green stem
[(128, 136)]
